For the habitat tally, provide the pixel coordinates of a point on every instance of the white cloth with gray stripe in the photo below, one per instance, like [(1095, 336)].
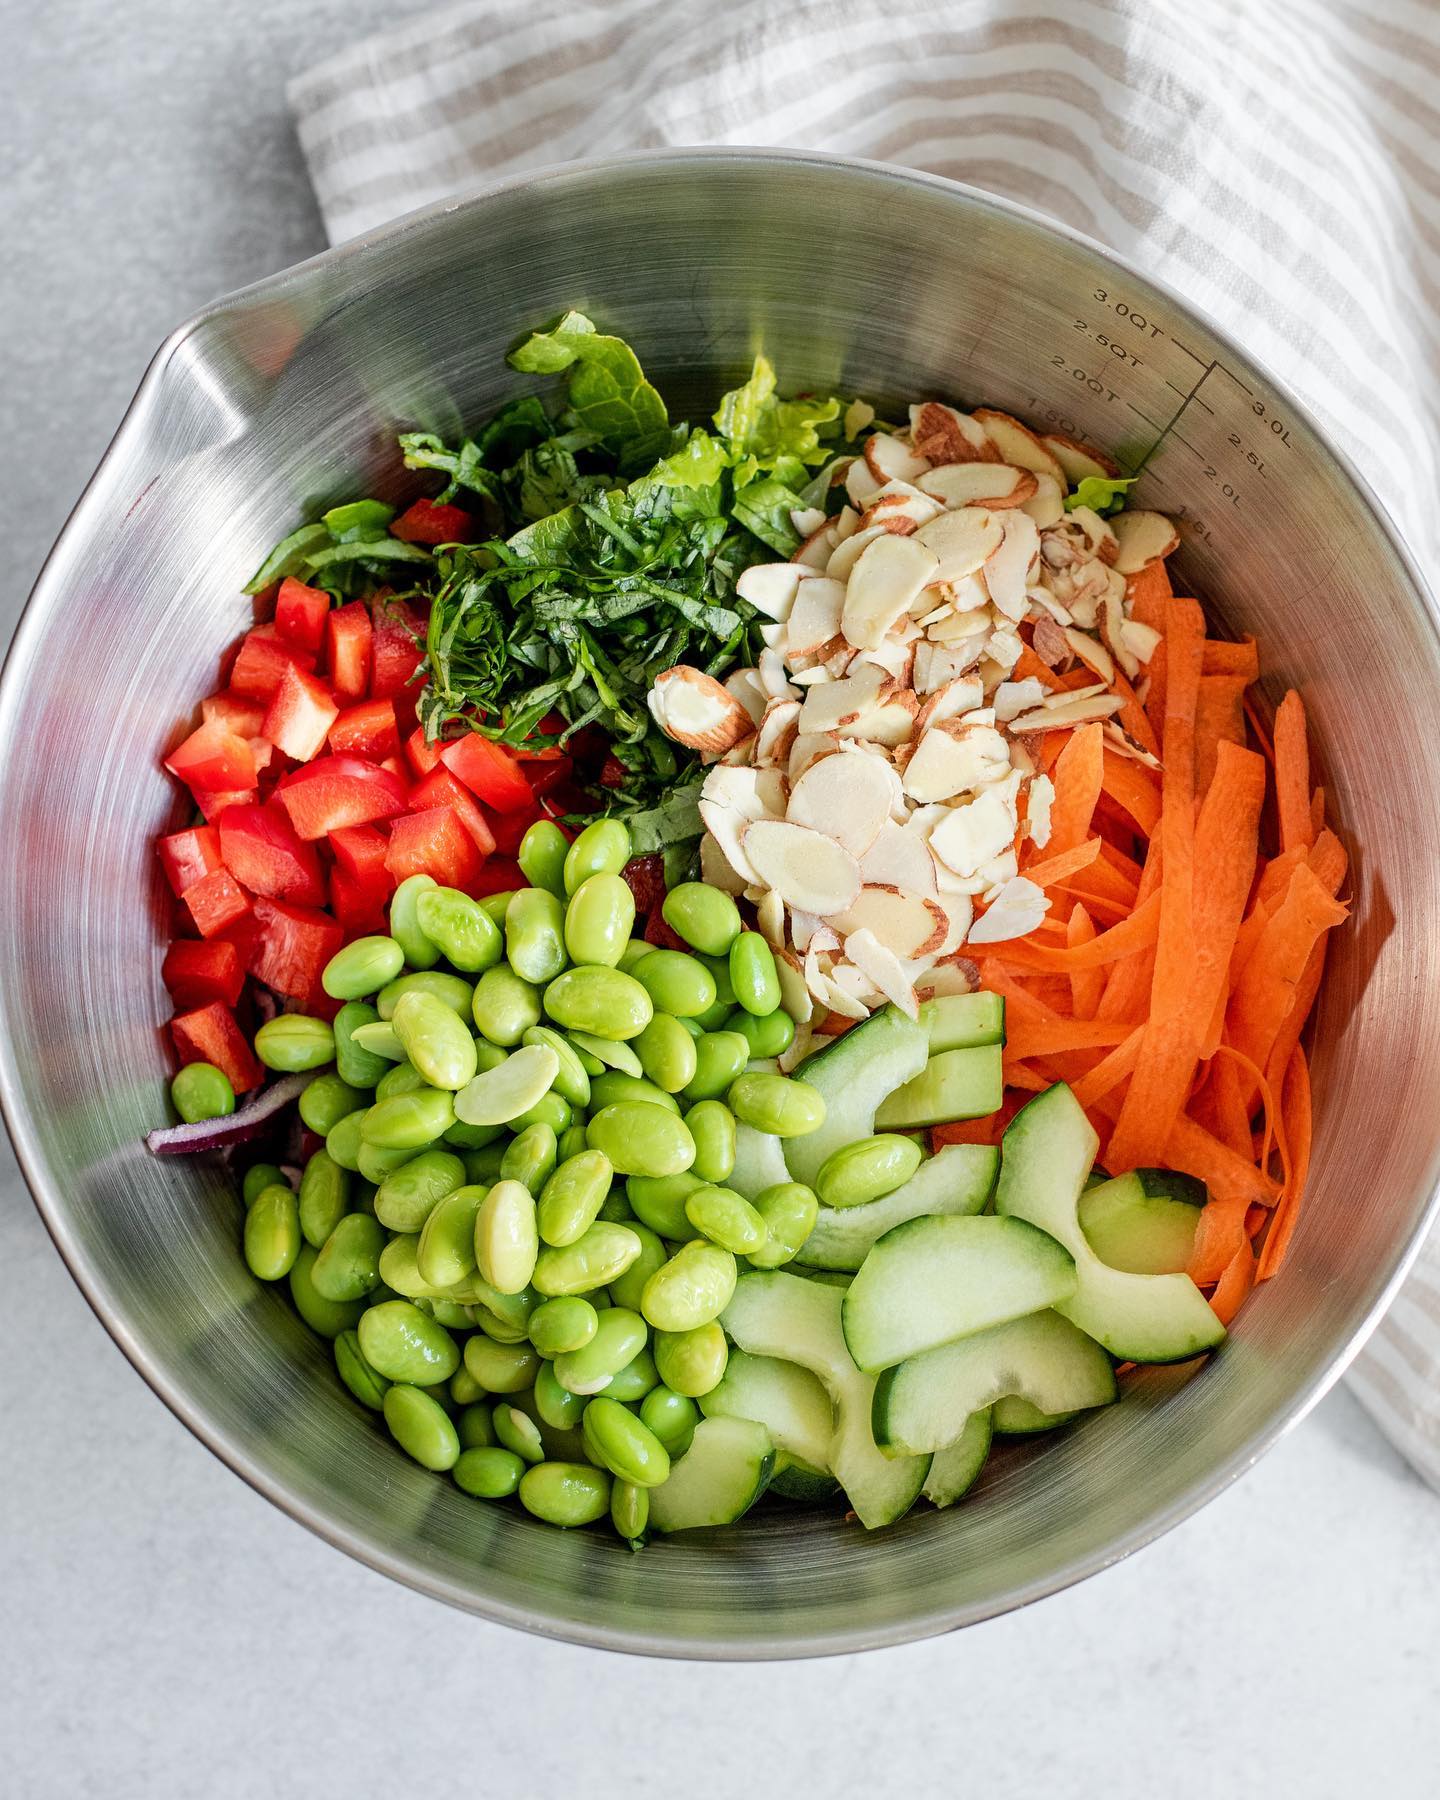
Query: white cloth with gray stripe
[(1278, 164)]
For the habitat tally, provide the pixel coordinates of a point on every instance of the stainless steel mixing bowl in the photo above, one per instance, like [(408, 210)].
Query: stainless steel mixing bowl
[(856, 277)]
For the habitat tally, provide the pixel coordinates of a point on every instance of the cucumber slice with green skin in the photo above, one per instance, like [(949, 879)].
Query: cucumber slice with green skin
[(795, 1480), (759, 1162), (855, 1074), (955, 1469), (787, 1400), (958, 1179), (957, 1084), (1140, 1224), (963, 1021), (798, 1320), (926, 1403), (933, 1280), (1015, 1416), (719, 1478), (1046, 1155)]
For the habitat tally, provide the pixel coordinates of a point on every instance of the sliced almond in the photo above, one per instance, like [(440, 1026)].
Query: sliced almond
[(1039, 798), (908, 925), (800, 1045), (1072, 710), (814, 553), (803, 926), (889, 459), (953, 975), (974, 832), (806, 868), (899, 858), (1006, 572), (770, 919), (694, 709), (847, 552), (777, 733), (1002, 653), (807, 520), (1144, 537), (794, 994), (889, 721), (1141, 640), (815, 616), (1092, 653), (895, 656), (1079, 460), (944, 435), (1018, 908), (861, 483), (960, 541), (941, 666), (1046, 506), (1050, 644), (716, 868), (948, 702), (739, 755), (733, 798), (959, 911), (1012, 698), (1124, 745), (773, 678), (900, 513), (1016, 443), (770, 587), (955, 759), (845, 522), (746, 686), (809, 747), (978, 484), (889, 574), (882, 967), (844, 797), (836, 703)]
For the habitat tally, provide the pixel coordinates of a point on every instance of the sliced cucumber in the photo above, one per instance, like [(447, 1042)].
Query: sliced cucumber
[(958, 1179), (1015, 1416), (759, 1162), (926, 1403), (786, 1316), (957, 1084), (718, 1479), (787, 1400), (855, 1074), (961, 1021), (955, 1469), (1143, 1222), (1048, 1149), (933, 1280), (795, 1480)]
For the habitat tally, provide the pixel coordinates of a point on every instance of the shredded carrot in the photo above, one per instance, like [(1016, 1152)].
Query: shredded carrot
[(1134, 789), (1055, 869), (1132, 716), (1219, 719), (1147, 593), (1078, 771), (1108, 1073), (1222, 658), (1086, 985), (1317, 812), (1138, 932), (1292, 773), (1295, 1110), (1028, 667), (1271, 979), (1051, 1037), (1236, 1280)]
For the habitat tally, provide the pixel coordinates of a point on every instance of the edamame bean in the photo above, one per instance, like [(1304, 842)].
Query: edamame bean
[(513, 1310), (348, 1264), (343, 1142), (602, 1002), (495, 1327), (530, 1157), (293, 1042), (379, 1039), (572, 1082), (324, 1197), (667, 1053), (504, 1007), (518, 1433), (449, 990), (598, 920), (498, 1095), (501, 1368), (672, 1417), (561, 1325), (626, 1288), (691, 1289), (445, 1254), (421, 1427), (770, 1034), (494, 907), (605, 1053), (719, 967), (475, 1427), (408, 1121), (272, 1233), (565, 1493), (201, 1091), (398, 1269), (753, 976), (542, 856), (632, 953), (616, 1208), (712, 1125), (867, 1170), (475, 1137), (614, 1086), (549, 1110), (720, 1056), (659, 1202), (406, 1198), (489, 1474), (635, 1380), (419, 952), (436, 1040), (571, 1199), (624, 1444), (327, 1100), (353, 1063), (677, 984), (326, 1317), (482, 1167), (465, 1390), (362, 967), (630, 1512), (467, 937), (506, 1240), (641, 1138), (619, 1335), (571, 1142), (727, 1219), (366, 1384), (258, 1177), (776, 1104), (376, 1163), (601, 849), (604, 1252), (789, 1211), (703, 916), (403, 1344), (535, 935), (557, 1406), (692, 1362), (454, 1317)]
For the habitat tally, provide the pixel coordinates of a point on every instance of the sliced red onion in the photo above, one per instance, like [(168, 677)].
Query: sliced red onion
[(234, 1128)]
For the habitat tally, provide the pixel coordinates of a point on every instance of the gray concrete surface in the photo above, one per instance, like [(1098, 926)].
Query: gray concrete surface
[(165, 1633)]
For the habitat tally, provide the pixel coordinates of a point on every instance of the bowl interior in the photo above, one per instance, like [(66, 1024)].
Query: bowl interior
[(851, 277)]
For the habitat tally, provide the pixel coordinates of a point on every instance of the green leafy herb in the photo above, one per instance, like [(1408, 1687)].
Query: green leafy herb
[(608, 393), (1101, 494)]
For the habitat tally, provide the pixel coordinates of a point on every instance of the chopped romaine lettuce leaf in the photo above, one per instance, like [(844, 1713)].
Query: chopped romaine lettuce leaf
[(1101, 494)]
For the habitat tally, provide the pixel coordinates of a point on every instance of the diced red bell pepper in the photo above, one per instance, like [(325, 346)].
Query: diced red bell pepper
[(613, 772), (658, 932), (210, 1034), (261, 849), (500, 875), (440, 788), (213, 760), (189, 856), (360, 902), (300, 715), (300, 614), (348, 638), (368, 729), (359, 849), (508, 829), (197, 972), (264, 657), (289, 948), (422, 756), (335, 791), (435, 842), (241, 713), (213, 804), (645, 877), (398, 653), (489, 771), (548, 777), (434, 522), (217, 903)]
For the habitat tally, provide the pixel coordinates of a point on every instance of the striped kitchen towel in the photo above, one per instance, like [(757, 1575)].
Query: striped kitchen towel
[(1279, 164)]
